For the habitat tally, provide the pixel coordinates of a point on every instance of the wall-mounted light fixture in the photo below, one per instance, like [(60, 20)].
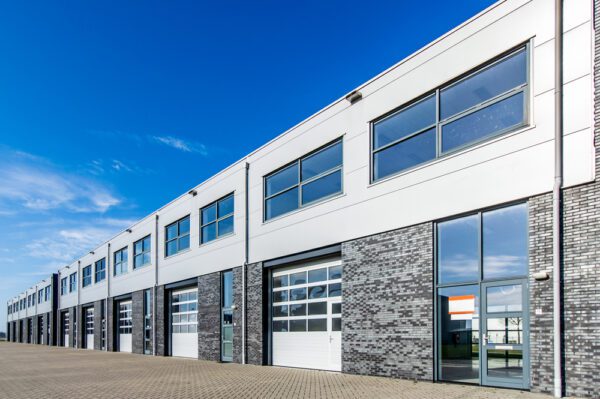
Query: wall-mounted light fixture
[(128, 230), (92, 252), (354, 97), (193, 193), (541, 276)]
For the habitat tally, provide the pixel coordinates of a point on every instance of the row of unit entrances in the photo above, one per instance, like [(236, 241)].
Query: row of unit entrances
[(42, 329)]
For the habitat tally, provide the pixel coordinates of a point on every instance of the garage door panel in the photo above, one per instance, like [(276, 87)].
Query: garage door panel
[(184, 323), (306, 316)]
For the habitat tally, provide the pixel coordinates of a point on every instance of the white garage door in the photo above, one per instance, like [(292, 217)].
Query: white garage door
[(89, 328), (307, 316), (65, 327), (125, 326), (184, 323)]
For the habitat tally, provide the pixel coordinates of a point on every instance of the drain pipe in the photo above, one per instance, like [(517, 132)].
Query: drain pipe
[(108, 274), (556, 196), (246, 259), (154, 306)]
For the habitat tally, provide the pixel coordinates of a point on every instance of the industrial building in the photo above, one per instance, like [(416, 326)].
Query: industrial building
[(410, 229)]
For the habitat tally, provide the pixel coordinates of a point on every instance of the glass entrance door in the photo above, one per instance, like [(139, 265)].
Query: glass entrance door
[(504, 337)]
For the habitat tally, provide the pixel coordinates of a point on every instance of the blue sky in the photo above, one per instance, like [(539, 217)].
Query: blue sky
[(109, 110)]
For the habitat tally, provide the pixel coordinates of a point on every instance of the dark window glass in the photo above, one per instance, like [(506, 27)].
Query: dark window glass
[(100, 270), (335, 272), (280, 296), (322, 161), (405, 154), (141, 252), (505, 242), (209, 232), (319, 291), (322, 187), (336, 308), (298, 325), (225, 226), (209, 214), (482, 86), (335, 289), (298, 278), (317, 324), (314, 276), (280, 325), (298, 310), (297, 294), (281, 180), (282, 203), (225, 206), (317, 308), (491, 120), (216, 219), (458, 250), (280, 281), (280, 311), (410, 120), (227, 289), (87, 276)]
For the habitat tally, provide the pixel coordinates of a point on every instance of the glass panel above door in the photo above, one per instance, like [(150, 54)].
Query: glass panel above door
[(458, 250), (504, 298)]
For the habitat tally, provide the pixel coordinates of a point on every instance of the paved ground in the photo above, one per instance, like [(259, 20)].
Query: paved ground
[(31, 371)]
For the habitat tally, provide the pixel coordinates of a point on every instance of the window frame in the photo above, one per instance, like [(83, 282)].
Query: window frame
[(84, 277), (121, 262), (97, 272), (40, 295), (64, 286), (300, 184), (217, 219), (149, 251), (47, 293), (178, 237), (439, 123), (73, 282)]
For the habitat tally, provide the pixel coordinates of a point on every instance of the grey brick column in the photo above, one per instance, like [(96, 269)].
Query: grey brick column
[(71, 327), (34, 327), (80, 326), (209, 319), (110, 325), (98, 325), (137, 319), (237, 314), (255, 314), (540, 294), (387, 294), (160, 328)]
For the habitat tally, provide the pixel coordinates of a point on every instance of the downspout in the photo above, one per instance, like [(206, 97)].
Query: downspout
[(155, 288), (556, 196), (246, 260), (78, 308), (107, 298)]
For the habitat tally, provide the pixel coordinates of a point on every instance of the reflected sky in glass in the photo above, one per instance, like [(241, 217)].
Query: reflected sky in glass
[(458, 251), (505, 242)]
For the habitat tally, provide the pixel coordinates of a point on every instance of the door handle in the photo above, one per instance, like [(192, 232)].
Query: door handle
[(485, 339)]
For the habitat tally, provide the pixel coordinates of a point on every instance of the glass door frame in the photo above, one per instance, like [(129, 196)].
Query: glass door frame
[(480, 283), (484, 344)]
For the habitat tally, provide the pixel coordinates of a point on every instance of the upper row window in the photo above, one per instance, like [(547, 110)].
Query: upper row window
[(177, 236), (120, 262), (484, 104), (216, 219), (311, 178)]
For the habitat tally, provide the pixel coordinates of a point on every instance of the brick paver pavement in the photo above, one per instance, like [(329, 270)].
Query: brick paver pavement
[(32, 371)]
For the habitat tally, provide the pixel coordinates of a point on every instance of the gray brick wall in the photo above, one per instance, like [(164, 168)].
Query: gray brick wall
[(80, 326), (71, 327), (540, 294), (209, 317), (110, 325), (255, 325), (137, 319), (98, 325), (161, 327), (34, 333), (237, 314), (387, 293)]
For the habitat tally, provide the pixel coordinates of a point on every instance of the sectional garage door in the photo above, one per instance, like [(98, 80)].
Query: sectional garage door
[(125, 326), (184, 323), (307, 315)]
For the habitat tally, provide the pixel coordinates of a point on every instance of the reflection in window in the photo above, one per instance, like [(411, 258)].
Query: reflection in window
[(216, 219), (177, 237), (484, 104), (307, 180), (505, 298), (458, 250)]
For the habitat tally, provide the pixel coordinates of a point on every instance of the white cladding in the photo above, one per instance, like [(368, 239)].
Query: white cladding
[(506, 168)]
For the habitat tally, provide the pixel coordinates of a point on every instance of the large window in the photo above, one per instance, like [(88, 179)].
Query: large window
[(141, 252), (100, 270), (86, 276), (484, 104), (40, 296), (120, 262), (309, 179), (184, 311), (73, 282), (47, 293), (177, 236), (216, 219)]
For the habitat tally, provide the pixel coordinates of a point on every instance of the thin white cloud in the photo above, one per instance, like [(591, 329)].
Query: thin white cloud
[(67, 244), (182, 145), (38, 187)]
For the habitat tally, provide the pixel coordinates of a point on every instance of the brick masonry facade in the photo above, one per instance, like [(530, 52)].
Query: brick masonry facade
[(209, 317), (137, 319), (387, 293), (255, 315), (161, 323), (237, 314)]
